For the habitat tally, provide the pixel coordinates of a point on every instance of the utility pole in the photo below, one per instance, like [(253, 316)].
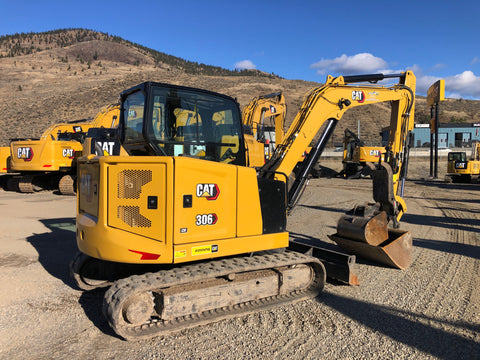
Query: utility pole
[(435, 94)]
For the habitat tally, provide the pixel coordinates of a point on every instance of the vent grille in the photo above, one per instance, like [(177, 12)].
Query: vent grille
[(131, 216), (130, 183)]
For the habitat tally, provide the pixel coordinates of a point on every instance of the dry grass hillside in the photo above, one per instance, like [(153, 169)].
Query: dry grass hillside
[(67, 75)]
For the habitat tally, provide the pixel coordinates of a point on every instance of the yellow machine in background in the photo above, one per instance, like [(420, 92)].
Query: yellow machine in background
[(4, 158), (356, 155), (50, 162), (461, 169), (264, 121), (206, 234)]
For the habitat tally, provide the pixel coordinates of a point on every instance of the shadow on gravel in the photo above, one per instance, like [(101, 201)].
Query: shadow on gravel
[(447, 222), (56, 248), (55, 251), (310, 240), (472, 251), (411, 329), (444, 185), (324, 208), (92, 303)]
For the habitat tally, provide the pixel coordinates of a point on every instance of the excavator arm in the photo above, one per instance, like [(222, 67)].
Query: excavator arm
[(324, 106), (364, 230)]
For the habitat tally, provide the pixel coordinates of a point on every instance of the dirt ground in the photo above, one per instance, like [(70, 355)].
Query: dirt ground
[(429, 311)]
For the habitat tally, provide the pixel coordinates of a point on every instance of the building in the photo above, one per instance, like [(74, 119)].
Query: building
[(450, 135)]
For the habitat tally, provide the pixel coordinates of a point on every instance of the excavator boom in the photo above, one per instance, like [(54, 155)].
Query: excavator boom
[(363, 232)]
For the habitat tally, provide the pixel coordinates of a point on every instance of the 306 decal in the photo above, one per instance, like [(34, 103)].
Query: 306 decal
[(206, 219)]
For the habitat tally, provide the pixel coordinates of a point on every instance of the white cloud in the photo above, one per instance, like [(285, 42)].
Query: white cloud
[(465, 84), (346, 65), (245, 65), (474, 60)]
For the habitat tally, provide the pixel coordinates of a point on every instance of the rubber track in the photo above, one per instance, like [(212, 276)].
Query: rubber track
[(66, 185), (25, 184), (119, 292)]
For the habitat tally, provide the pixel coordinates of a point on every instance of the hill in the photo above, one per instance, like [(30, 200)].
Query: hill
[(66, 75)]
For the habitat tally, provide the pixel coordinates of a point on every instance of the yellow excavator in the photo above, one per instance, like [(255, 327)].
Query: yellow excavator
[(185, 233), (356, 155), (263, 126), (50, 162), (463, 169)]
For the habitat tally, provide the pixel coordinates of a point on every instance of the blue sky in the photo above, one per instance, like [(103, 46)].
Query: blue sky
[(304, 40)]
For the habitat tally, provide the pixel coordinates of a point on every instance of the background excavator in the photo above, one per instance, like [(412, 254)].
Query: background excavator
[(50, 162), (4, 158), (356, 155), (211, 230), (463, 169), (263, 125)]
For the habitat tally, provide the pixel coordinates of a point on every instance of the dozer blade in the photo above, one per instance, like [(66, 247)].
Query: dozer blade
[(365, 237)]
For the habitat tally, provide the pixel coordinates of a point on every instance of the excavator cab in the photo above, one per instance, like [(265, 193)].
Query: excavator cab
[(168, 120)]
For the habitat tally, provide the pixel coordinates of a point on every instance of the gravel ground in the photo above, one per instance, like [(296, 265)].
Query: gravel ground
[(429, 311)]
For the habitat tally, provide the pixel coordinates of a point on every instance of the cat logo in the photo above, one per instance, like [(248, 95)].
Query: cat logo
[(69, 153), (358, 95), (208, 191), (106, 147), (375, 153), (25, 153)]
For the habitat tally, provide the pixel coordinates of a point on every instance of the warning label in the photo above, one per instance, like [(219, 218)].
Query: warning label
[(205, 249)]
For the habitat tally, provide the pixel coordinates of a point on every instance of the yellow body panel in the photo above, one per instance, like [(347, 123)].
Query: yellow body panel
[(255, 151), (213, 190), (130, 209), (365, 154), (4, 155), (43, 155), (472, 168), (226, 247)]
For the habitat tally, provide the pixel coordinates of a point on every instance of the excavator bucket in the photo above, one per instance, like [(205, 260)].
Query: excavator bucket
[(370, 238)]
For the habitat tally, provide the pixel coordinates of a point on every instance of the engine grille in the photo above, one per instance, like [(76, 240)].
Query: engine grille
[(129, 186), (130, 183), (131, 216)]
